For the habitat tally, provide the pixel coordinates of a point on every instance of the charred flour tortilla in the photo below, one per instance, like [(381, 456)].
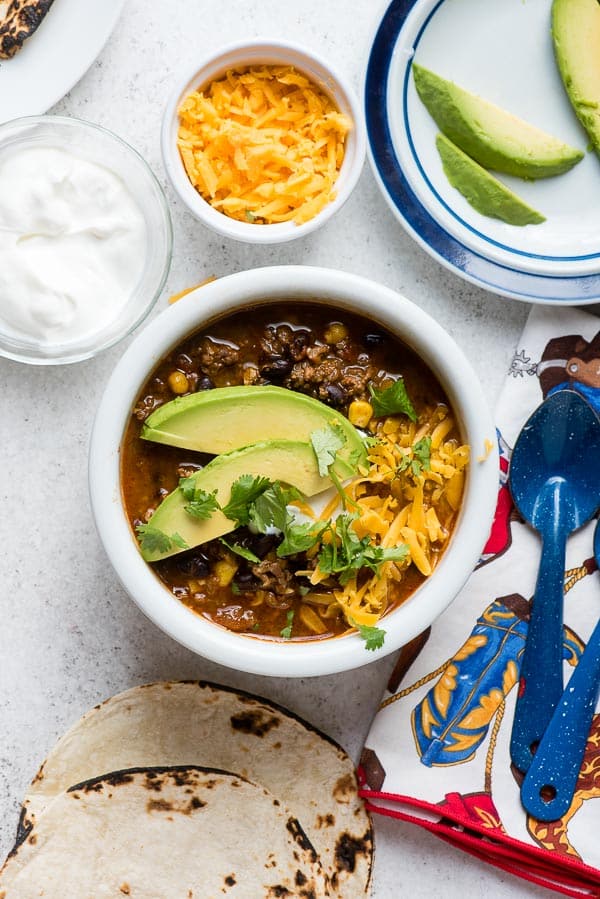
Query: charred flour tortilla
[(174, 832), (18, 20), (197, 723)]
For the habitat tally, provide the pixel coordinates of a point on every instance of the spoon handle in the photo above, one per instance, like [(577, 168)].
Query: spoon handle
[(549, 785), (541, 679)]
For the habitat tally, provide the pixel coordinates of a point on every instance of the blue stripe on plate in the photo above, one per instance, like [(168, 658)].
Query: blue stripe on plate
[(413, 215), (441, 201)]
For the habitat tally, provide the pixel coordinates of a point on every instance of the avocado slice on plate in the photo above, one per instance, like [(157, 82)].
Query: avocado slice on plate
[(291, 462), (484, 192), (228, 418), (495, 138), (576, 36)]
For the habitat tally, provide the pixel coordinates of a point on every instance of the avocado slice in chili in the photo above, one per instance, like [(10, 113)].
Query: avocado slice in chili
[(228, 418), (287, 461)]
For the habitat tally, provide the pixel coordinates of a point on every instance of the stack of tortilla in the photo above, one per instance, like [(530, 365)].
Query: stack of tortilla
[(187, 789)]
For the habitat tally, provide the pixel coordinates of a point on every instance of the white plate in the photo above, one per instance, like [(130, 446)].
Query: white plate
[(56, 56), (502, 50)]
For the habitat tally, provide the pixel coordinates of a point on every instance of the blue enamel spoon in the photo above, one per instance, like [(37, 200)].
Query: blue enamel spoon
[(549, 785), (555, 482)]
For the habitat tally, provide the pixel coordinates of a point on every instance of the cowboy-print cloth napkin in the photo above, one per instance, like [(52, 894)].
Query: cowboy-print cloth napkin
[(438, 750)]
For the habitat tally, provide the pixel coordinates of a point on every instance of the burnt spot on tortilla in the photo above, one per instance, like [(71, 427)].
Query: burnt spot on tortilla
[(277, 891), (276, 802), (164, 805), (300, 878), (295, 829), (19, 23), (152, 782), (40, 774), (349, 848), (325, 821), (159, 805), (32, 839), (254, 722), (230, 880), (124, 888), (309, 893), (114, 779), (345, 789)]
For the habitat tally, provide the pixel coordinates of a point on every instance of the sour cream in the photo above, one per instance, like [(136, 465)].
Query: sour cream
[(72, 246)]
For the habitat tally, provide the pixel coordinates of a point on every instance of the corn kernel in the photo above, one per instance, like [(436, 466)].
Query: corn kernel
[(360, 413), (225, 571), (178, 382), (335, 332)]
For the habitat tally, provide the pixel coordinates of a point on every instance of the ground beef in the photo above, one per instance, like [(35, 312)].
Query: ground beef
[(331, 380), (274, 576), (215, 356), (283, 342)]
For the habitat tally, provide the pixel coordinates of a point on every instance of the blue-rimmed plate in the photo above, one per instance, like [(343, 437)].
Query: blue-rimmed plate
[(501, 50)]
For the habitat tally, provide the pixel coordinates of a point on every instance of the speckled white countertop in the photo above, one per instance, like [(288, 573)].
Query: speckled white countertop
[(69, 635)]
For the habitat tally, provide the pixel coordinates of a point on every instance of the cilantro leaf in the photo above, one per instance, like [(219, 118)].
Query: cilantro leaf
[(200, 503), (326, 442), (374, 637), (270, 509), (422, 451), (286, 632), (392, 400), (153, 540), (244, 492), (240, 550), (300, 537), (345, 554), (420, 460)]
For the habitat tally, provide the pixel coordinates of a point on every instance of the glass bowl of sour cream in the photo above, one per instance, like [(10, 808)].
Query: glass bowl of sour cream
[(85, 239)]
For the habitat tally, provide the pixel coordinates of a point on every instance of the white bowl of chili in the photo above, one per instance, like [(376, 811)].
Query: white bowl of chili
[(247, 295), (279, 170)]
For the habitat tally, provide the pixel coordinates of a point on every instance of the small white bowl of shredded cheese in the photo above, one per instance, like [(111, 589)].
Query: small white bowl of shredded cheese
[(263, 141), (85, 239)]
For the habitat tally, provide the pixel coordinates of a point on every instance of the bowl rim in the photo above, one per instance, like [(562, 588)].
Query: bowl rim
[(303, 284), (69, 358), (250, 51)]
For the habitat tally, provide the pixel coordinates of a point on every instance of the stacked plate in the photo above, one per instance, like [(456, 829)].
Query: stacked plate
[(501, 50)]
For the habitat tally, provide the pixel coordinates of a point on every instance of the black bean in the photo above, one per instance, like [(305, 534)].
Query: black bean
[(205, 383), (374, 339), (276, 369), (246, 581), (196, 565), (335, 395), (261, 544)]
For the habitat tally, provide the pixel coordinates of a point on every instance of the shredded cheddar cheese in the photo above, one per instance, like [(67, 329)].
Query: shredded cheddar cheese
[(398, 503), (488, 446), (184, 293), (263, 144)]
